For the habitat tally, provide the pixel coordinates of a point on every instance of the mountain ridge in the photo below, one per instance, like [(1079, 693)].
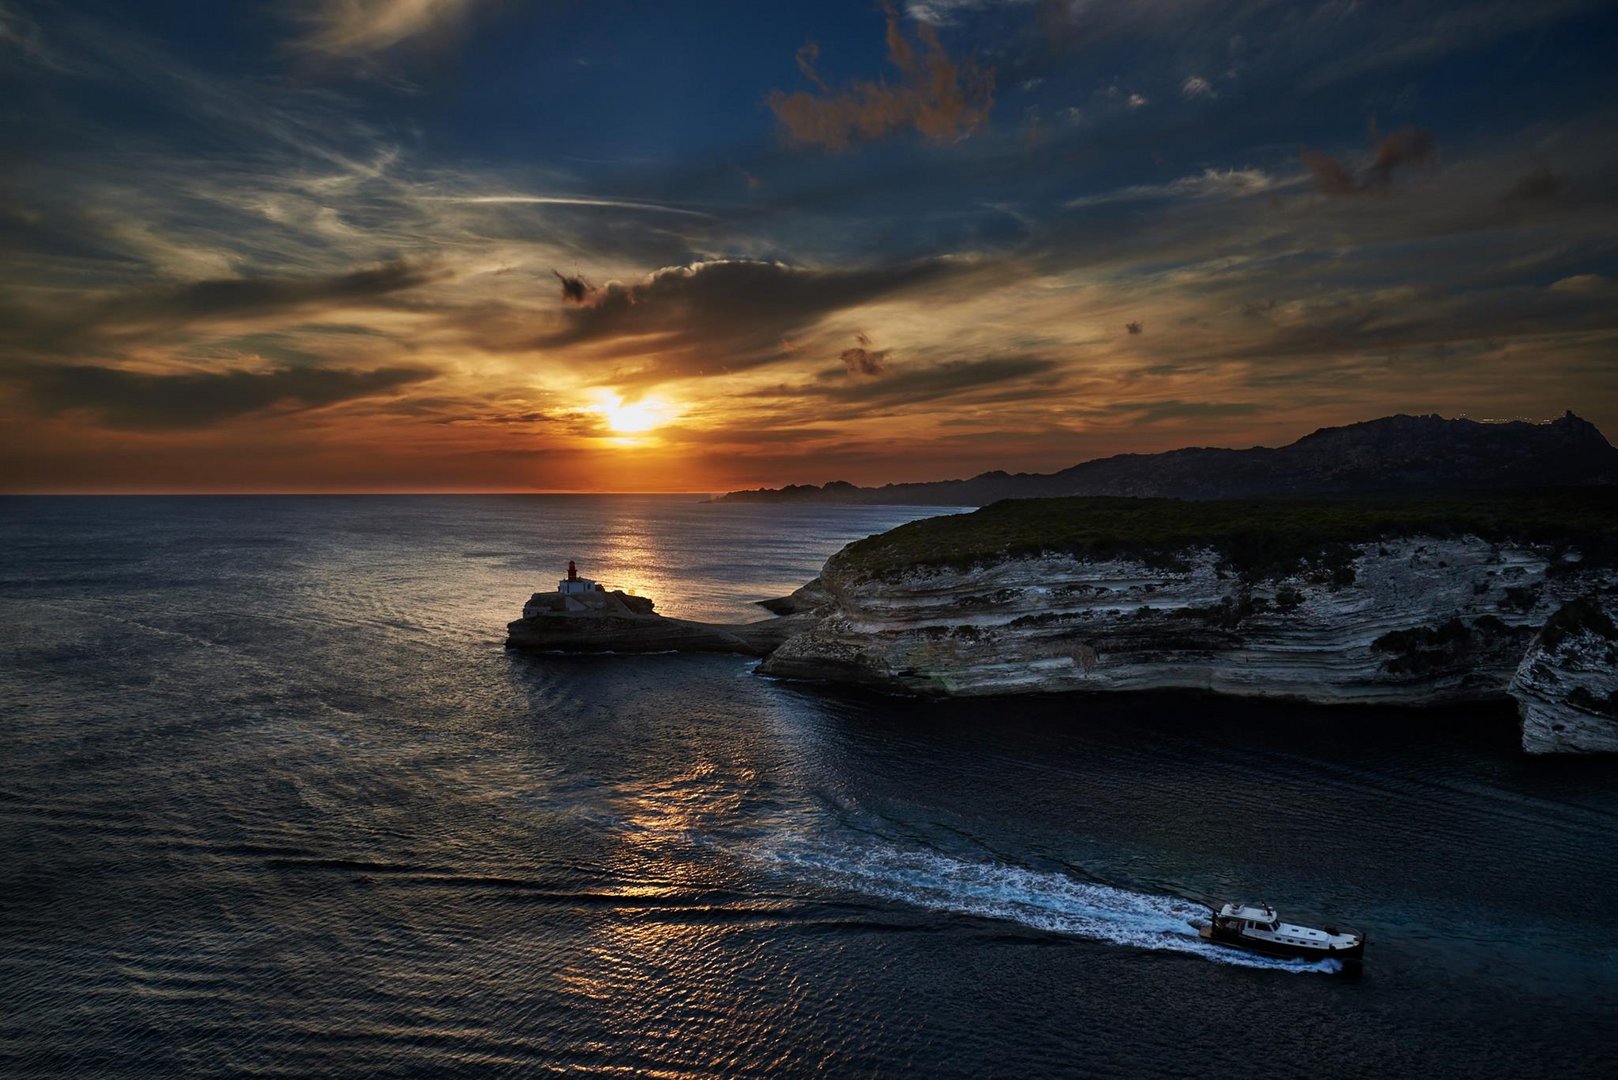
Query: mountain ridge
[(1395, 453)]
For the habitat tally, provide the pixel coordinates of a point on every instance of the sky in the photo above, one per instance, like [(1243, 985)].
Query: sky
[(550, 245)]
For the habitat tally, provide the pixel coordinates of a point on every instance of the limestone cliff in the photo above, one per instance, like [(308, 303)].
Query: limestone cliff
[(1401, 610), (1567, 684)]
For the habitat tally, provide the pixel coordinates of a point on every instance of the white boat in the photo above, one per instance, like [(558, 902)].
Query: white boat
[(1257, 928)]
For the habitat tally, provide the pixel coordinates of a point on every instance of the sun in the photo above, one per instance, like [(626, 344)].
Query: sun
[(632, 418)]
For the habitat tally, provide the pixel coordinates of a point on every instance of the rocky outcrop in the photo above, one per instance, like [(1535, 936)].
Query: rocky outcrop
[(811, 597), (616, 622), (1567, 684), (1418, 620)]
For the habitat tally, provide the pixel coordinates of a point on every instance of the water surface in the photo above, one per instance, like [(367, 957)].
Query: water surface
[(276, 801)]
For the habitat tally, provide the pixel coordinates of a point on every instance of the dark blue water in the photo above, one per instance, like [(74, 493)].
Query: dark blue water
[(275, 801)]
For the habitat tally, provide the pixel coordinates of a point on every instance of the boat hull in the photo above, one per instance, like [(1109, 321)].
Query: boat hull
[(1350, 956)]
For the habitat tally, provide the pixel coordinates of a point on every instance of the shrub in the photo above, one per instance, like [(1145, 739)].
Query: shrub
[(1257, 539)]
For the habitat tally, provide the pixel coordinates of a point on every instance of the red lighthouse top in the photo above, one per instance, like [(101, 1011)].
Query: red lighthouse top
[(572, 571)]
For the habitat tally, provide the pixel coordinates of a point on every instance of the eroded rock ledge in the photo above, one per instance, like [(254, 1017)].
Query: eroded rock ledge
[(616, 622)]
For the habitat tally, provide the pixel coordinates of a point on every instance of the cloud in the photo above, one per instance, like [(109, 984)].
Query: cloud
[(1332, 177), (944, 12), (360, 27), (1196, 86), (1407, 146), (919, 384), (1175, 409), (23, 37), (1538, 185), (1208, 184), (864, 360), (1589, 284), (566, 200), (574, 288), (144, 401), (726, 315), (937, 96), (140, 314)]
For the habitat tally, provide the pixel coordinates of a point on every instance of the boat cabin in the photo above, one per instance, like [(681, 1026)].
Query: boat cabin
[(1241, 915)]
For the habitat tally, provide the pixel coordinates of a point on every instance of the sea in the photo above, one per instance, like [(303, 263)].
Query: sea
[(276, 801)]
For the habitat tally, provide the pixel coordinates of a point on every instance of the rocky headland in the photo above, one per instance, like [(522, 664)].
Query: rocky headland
[(1411, 602)]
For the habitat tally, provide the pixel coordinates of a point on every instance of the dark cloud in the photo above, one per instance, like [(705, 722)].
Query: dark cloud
[(864, 360), (1332, 177), (1407, 146), (249, 296), (138, 400), (915, 385), (1174, 409), (575, 289), (98, 324), (1540, 184), (502, 419), (713, 317), (937, 96), (1393, 151)]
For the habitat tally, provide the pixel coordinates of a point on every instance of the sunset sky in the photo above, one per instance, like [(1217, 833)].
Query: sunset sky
[(496, 245)]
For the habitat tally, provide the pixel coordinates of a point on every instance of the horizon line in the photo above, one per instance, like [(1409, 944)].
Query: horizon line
[(101, 494)]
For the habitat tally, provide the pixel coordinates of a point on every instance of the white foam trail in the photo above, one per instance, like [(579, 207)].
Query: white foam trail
[(1045, 901)]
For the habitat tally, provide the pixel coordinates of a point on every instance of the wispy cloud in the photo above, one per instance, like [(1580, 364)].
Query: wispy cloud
[(143, 400), (565, 200), (361, 27), (1208, 184), (118, 321)]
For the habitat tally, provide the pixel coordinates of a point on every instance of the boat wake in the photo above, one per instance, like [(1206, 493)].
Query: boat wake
[(1051, 902)]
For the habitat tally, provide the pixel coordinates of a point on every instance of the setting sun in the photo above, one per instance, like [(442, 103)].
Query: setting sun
[(633, 418)]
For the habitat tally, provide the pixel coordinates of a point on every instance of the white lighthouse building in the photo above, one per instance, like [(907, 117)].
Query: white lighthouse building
[(574, 584), (579, 596)]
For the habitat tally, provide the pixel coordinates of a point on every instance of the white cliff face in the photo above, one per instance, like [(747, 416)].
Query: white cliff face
[(1423, 621), (1567, 691)]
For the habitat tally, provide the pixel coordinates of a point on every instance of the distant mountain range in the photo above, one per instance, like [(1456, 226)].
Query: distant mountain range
[(1393, 454)]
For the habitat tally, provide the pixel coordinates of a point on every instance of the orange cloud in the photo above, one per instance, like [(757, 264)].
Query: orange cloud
[(939, 97), (1407, 146)]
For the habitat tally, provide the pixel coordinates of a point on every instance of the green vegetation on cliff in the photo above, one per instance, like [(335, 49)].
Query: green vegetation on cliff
[(1258, 538)]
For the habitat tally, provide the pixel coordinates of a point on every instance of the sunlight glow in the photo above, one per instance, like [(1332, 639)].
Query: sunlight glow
[(634, 417)]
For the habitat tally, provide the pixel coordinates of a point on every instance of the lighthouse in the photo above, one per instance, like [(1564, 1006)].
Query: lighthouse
[(574, 584)]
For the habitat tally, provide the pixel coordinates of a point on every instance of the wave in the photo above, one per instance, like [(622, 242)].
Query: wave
[(1051, 902)]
